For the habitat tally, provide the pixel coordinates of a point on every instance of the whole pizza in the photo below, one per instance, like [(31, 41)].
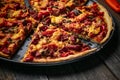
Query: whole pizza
[(58, 28)]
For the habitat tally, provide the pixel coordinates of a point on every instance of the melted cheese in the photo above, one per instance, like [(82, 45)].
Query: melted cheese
[(16, 13), (55, 35), (43, 3), (58, 43), (70, 3), (57, 19), (94, 30), (18, 35), (41, 42)]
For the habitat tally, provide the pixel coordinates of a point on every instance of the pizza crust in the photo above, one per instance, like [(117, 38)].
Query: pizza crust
[(78, 54), (108, 20), (4, 55)]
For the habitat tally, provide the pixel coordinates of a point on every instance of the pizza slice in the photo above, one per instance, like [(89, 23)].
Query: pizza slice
[(51, 44), (89, 22), (12, 33)]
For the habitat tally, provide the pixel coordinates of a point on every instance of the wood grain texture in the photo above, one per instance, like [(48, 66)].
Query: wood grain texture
[(88, 69), (6, 74)]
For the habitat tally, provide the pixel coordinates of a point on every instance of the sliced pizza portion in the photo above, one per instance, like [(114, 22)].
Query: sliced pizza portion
[(55, 7), (51, 44), (12, 33), (14, 10), (89, 22), (58, 4)]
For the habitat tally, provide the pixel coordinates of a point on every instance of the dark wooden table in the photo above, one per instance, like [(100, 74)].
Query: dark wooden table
[(104, 65)]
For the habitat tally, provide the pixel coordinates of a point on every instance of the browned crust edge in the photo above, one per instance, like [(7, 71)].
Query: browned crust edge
[(49, 60), (4, 55), (108, 20)]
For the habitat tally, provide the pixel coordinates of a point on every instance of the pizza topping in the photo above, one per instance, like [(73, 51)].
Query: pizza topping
[(29, 58), (65, 54), (63, 37), (64, 49), (74, 47), (43, 28), (49, 50), (2, 20), (5, 50), (36, 40), (56, 20), (48, 33)]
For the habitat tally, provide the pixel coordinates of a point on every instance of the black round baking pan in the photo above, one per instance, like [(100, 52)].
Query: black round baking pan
[(19, 55)]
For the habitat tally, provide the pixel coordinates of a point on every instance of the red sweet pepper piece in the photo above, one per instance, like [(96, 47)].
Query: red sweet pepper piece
[(114, 4)]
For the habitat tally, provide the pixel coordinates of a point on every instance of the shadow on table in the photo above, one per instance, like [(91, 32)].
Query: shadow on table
[(77, 67)]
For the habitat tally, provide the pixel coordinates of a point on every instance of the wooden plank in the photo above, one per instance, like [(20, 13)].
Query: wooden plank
[(89, 69), (14, 72), (6, 74), (93, 69), (111, 53), (30, 74)]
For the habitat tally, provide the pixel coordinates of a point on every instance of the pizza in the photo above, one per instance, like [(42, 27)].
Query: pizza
[(59, 28)]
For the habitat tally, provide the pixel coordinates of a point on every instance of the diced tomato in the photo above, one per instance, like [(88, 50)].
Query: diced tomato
[(65, 54), (9, 24), (48, 33), (1, 36), (74, 47), (63, 37), (29, 59), (52, 47), (49, 9), (71, 14), (65, 49), (34, 14), (33, 53), (49, 50), (101, 13), (43, 28), (86, 48), (42, 14), (47, 21), (103, 33), (36, 40), (73, 39), (45, 13), (87, 22), (5, 50), (37, 54), (92, 35), (17, 5), (103, 28), (64, 28), (3, 14), (101, 36)]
